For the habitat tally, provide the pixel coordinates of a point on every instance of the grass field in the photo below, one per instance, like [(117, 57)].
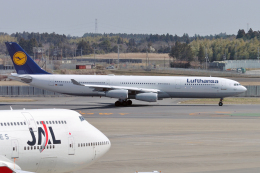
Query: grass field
[(14, 99)]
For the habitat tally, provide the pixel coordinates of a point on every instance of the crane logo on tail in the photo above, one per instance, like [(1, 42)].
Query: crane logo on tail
[(19, 58)]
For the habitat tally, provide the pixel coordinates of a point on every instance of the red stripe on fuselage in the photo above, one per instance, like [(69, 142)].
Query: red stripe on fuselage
[(46, 133)]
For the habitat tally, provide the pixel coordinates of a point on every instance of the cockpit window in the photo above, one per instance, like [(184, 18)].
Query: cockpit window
[(237, 84), (81, 118)]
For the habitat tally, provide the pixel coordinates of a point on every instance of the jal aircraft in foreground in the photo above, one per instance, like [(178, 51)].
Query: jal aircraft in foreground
[(124, 88), (48, 140)]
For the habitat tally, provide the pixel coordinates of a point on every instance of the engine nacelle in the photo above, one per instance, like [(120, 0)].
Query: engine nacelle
[(148, 97), (120, 94)]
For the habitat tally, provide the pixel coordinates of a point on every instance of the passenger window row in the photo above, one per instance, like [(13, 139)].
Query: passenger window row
[(93, 144), (39, 147), (138, 83), (64, 81), (52, 122), (13, 123), (163, 83)]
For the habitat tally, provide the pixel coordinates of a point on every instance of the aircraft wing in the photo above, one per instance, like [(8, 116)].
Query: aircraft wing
[(8, 166), (111, 87)]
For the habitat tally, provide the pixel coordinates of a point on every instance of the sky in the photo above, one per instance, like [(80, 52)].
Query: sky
[(76, 17)]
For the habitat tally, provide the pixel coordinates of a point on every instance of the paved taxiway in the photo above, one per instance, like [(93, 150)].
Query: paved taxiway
[(166, 136)]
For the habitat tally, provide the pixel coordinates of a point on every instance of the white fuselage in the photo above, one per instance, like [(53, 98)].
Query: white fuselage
[(170, 87), (72, 143)]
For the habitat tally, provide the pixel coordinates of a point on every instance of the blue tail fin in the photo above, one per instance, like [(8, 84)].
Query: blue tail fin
[(23, 63)]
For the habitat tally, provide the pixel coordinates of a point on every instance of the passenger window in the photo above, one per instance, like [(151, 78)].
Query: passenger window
[(56, 122), (35, 147), (50, 146), (1, 124), (62, 122), (59, 122), (28, 148), (24, 148), (8, 124), (4, 124), (50, 122), (65, 122), (78, 145), (38, 147), (11, 124), (14, 123), (24, 123), (38, 122), (53, 146), (46, 122)]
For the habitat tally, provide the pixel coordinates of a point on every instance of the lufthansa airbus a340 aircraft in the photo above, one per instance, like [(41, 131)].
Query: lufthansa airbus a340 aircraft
[(124, 88), (48, 140)]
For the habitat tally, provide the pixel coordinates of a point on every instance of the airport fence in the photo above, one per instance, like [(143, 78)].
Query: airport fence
[(29, 91)]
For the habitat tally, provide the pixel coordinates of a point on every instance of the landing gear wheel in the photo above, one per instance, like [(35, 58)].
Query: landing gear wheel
[(220, 103), (124, 103), (129, 102), (117, 103)]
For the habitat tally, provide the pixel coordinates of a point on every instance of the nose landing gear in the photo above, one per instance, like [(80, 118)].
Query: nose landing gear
[(123, 102), (220, 103)]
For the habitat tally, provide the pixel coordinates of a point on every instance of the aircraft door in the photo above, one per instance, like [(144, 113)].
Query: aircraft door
[(177, 84), (71, 146), (15, 148), (223, 85), (30, 121), (94, 150), (51, 82), (108, 82)]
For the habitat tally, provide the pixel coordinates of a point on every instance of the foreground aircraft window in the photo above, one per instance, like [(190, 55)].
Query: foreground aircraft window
[(38, 122), (56, 122), (24, 123), (59, 122), (11, 124), (62, 122), (28, 148), (38, 147), (1, 124), (46, 122), (50, 122), (4, 124), (65, 122), (70, 145), (15, 123), (47, 147), (53, 146), (31, 148), (8, 124), (35, 147), (24, 148), (78, 145), (50, 146), (53, 122)]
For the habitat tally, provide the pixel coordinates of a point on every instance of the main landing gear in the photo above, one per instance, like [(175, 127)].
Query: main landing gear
[(123, 103), (220, 103)]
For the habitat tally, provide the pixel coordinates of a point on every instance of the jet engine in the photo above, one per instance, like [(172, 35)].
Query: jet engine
[(148, 97), (120, 94)]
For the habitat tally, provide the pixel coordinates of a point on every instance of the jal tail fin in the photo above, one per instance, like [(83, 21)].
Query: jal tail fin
[(23, 63)]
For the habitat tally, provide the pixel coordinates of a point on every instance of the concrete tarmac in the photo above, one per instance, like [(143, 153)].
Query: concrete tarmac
[(166, 136)]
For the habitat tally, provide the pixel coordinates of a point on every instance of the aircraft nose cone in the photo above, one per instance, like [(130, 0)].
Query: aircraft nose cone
[(244, 89)]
